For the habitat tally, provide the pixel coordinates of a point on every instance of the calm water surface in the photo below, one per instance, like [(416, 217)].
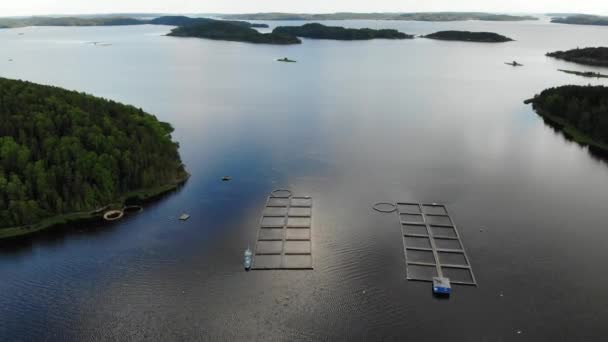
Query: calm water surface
[(350, 124)]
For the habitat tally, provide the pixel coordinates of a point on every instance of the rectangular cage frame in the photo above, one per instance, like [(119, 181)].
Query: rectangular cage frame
[(432, 245), (284, 239)]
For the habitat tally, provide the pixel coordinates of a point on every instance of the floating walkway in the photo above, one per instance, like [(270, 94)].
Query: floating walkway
[(432, 244), (284, 240)]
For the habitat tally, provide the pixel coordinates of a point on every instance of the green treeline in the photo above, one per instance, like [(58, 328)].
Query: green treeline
[(318, 31), (588, 56), (583, 108), (68, 21), (227, 30), (224, 30), (175, 20), (466, 36), (180, 20), (62, 151), (418, 16), (584, 73)]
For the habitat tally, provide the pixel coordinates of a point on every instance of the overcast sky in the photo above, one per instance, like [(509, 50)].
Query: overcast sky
[(32, 7)]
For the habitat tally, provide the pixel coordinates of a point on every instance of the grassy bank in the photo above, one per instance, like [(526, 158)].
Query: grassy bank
[(138, 196)]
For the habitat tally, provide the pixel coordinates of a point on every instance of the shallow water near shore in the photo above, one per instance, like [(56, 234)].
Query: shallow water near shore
[(350, 124)]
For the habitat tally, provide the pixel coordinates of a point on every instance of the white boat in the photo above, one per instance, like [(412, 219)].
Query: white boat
[(248, 259)]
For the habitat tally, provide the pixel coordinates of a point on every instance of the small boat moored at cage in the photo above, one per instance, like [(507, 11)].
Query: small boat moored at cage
[(248, 259)]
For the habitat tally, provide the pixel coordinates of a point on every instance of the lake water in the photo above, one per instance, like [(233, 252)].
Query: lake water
[(350, 124)]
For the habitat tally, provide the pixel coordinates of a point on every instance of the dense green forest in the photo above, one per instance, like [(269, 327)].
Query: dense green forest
[(419, 16), (582, 110), (589, 56), (581, 19), (62, 151), (222, 30), (318, 31), (466, 36)]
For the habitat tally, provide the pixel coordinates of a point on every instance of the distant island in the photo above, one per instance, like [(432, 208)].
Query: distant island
[(581, 19), (63, 154), (558, 14), (68, 21), (466, 36), (591, 74), (179, 20), (221, 30), (420, 16), (228, 30), (257, 25), (597, 56), (580, 112), (319, 31), (111, 21)]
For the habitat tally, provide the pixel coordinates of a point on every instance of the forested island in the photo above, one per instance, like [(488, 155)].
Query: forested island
[(466, 36), (318, 31), (419, 16), (221, 30), (581, 19), (580, 112), (229, 30), (63, 154), (111, 21), (68, 21), (179, 20), (597, 56)]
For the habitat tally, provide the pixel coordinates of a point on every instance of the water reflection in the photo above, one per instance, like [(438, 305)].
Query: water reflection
[(595, 152)]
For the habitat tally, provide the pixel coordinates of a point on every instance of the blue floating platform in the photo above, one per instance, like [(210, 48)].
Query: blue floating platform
[(441, 286)]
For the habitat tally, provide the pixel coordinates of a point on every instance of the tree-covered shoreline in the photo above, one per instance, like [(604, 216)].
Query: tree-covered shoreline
[(64, 152), (172, 20), (220, 30), (467, 36), (416, 16), (581, 19), (69, 21), (180, 20), (319, 31), (596, 56), (581, 112), (589, 74)]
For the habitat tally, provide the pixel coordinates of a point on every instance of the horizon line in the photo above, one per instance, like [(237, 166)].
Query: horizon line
[(306, 13)]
